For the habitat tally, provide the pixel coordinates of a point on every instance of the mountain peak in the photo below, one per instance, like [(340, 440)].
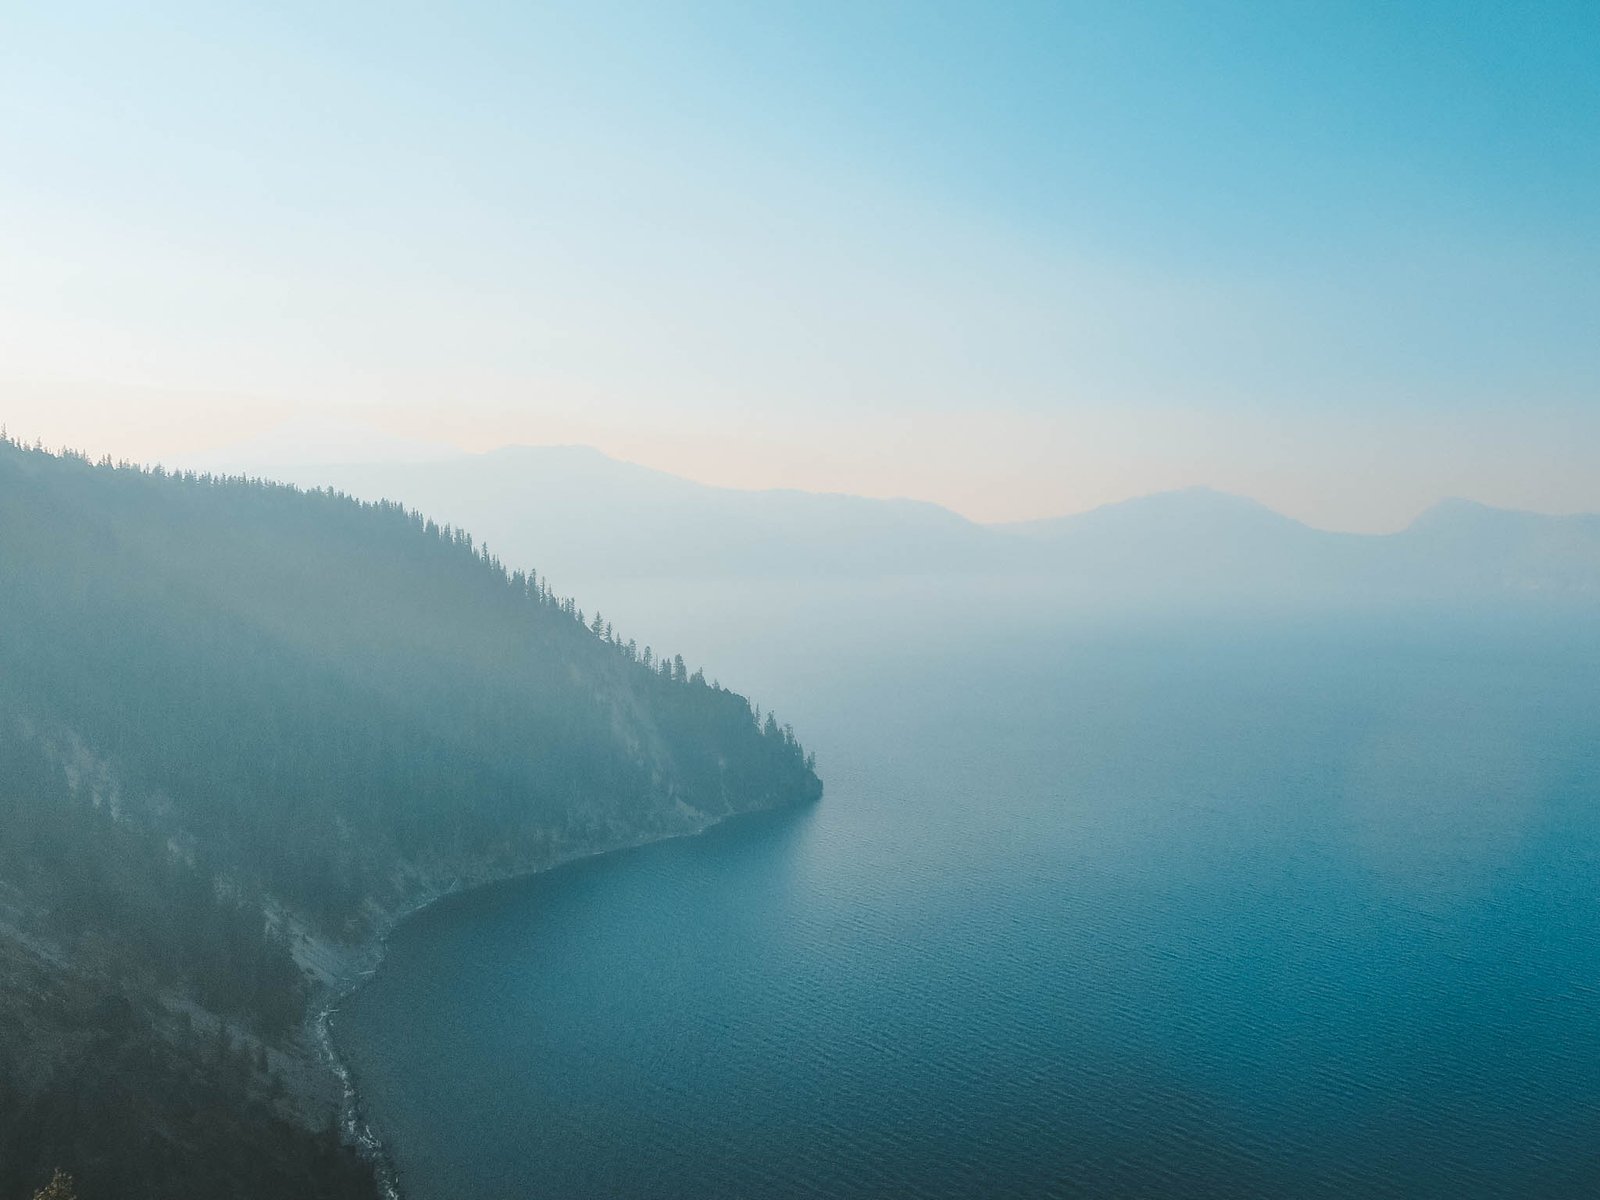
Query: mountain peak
[(1190, 510), (1460, 514)]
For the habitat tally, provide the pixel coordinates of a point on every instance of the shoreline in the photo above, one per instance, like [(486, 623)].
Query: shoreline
[(361, 961)]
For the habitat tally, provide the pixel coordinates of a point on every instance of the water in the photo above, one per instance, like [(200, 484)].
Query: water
[(1142, 906)]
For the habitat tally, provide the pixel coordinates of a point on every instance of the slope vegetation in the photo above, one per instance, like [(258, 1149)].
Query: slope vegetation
[(239, 722)]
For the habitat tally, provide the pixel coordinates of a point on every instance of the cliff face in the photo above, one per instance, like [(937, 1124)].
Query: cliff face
[(241, 728)]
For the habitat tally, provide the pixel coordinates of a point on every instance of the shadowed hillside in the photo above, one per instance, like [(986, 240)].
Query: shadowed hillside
[(243, 726)]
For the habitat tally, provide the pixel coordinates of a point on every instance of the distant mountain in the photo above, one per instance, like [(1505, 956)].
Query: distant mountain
[(585, 518), (1195, 512), (242, 727), (1214, 543), (1481, 548), (1191, 541), (578, 515)]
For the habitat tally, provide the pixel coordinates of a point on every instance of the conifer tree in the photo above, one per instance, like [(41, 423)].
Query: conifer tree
[(60, 1187)]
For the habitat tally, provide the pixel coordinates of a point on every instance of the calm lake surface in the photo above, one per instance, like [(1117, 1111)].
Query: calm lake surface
[(1201, 906)]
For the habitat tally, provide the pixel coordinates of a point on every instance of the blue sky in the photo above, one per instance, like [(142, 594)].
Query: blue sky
[(1017, 258)]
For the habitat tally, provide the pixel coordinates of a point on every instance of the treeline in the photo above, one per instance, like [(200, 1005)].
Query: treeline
[(118, 897), (141, 1112), (523, 583)]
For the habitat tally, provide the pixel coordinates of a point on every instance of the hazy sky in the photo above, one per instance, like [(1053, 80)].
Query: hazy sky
[(1017, 258)]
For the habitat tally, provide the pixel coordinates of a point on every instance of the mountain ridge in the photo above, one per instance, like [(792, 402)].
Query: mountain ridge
[(238, 458), (586, 517)]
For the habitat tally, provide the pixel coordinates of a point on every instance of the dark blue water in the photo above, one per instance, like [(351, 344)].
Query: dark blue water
[(1203, 907)]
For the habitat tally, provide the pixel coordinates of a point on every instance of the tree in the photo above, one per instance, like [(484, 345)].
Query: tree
[(60, 1187)]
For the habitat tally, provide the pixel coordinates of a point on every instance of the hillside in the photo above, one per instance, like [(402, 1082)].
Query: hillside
[(241, 728)]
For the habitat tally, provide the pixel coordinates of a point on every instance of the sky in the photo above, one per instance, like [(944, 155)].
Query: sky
[(1020, 259)]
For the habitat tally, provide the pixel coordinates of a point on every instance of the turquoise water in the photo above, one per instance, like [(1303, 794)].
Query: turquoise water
[(1202, 907)]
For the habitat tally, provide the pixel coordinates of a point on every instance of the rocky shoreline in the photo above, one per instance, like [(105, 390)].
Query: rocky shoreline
[(337, 969)]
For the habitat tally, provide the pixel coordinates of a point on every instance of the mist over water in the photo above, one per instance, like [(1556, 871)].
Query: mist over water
[(1135, 463), (1109, 904)]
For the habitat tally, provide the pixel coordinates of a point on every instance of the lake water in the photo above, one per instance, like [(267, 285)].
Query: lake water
[(1200, 906)]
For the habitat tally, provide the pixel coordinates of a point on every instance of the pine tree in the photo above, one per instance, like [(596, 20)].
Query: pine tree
[(60, 1187)]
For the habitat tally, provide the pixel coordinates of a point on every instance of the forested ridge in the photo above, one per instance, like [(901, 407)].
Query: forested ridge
[(238, 718)]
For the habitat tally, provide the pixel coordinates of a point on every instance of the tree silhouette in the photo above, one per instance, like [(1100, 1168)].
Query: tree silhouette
[(60, 1187)]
